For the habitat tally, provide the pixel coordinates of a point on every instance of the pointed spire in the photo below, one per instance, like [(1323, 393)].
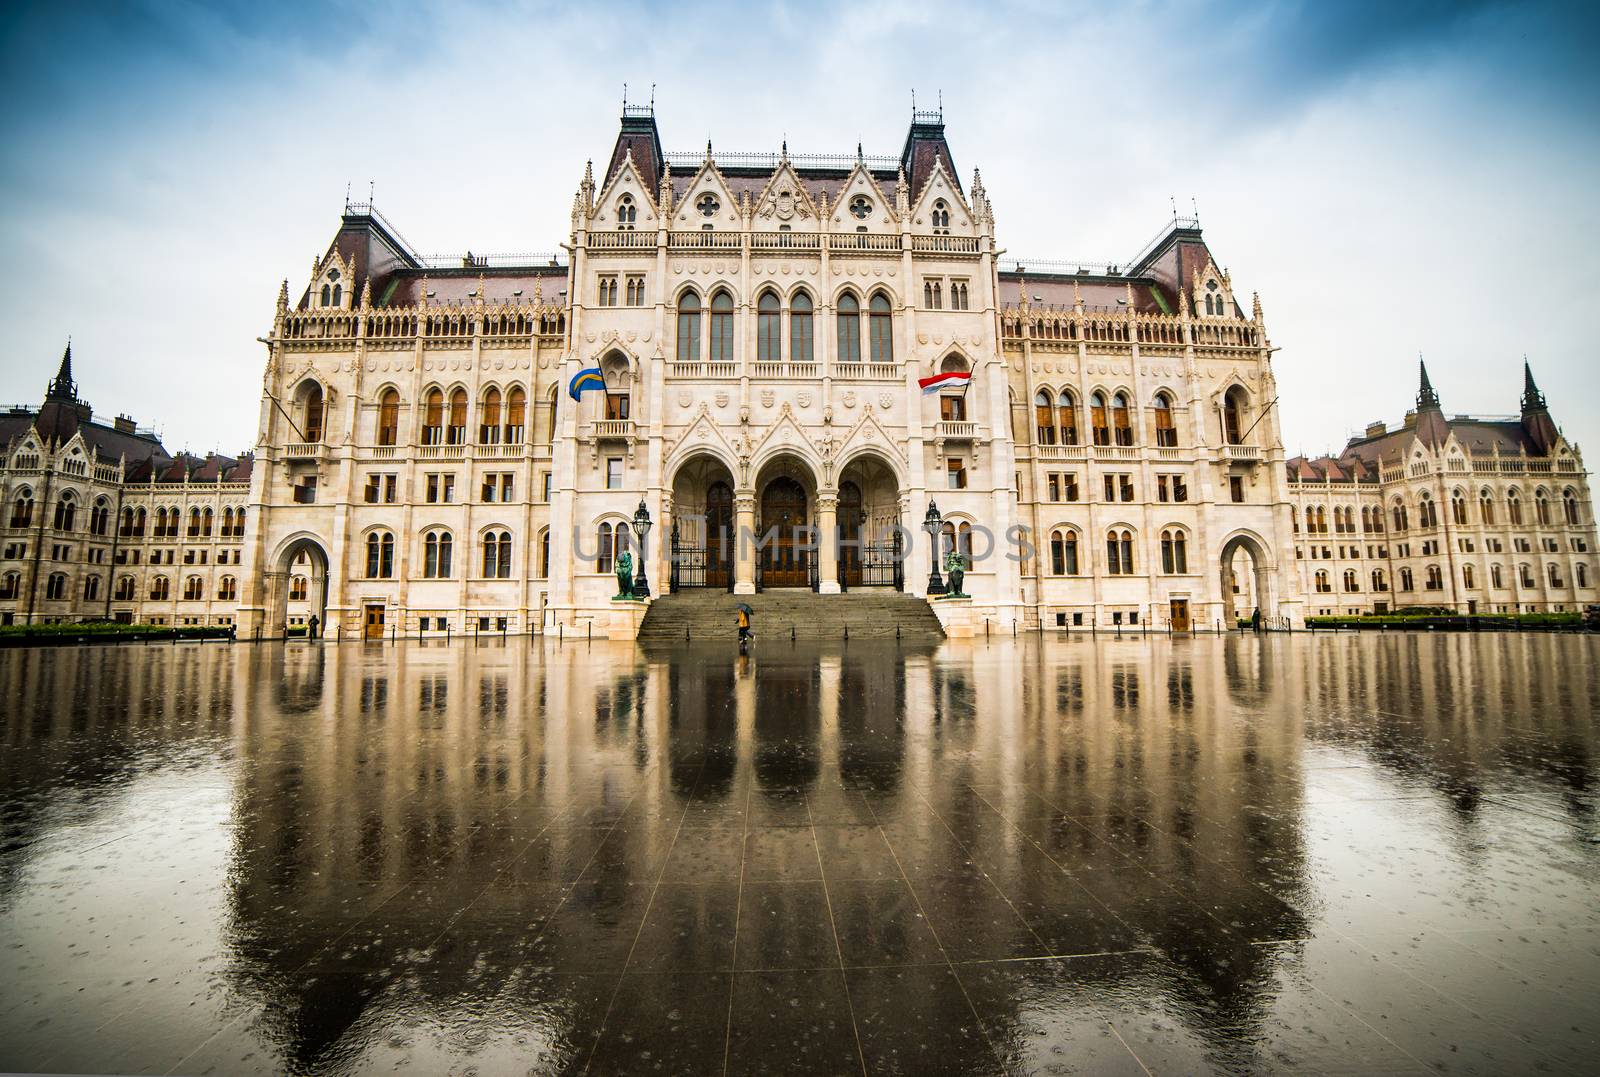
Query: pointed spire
[(1426, 397), (63, 387), (1532, 398), (783, 152), (283, 296), (366, 294), (664, 196), (860, 157), (1255, 306)]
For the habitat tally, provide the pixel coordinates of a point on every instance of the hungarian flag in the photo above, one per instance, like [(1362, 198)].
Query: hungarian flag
[(952, 379)]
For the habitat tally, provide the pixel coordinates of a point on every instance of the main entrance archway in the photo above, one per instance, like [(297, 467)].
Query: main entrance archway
[(786, 554), (870, 553)]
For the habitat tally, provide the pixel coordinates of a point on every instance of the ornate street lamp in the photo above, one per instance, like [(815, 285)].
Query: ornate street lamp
[(931, 523), (641, 527)]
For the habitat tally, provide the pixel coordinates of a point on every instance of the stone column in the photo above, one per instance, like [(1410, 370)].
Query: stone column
[(827, 544), (744, 526)]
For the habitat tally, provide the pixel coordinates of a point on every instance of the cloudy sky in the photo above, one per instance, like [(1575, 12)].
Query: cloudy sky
[(1392, 178)]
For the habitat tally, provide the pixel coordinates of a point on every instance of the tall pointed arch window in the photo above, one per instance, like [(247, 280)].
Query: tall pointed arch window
[(433, 418), (769, 328), (1099, 418), (1233, 417), (380, 555), (1044, 418), (489, 418), (1174, 552), (314, 409), (438, 549), (1121, 419), (1514, 506), (882, 323), (1119, 552), (1166, 432), (388, 417), (689, 328), (1067, 417), (458, 418), (627, 213), (497, 555), (801, 349), (516, 415), (722, 328), (848, 317)]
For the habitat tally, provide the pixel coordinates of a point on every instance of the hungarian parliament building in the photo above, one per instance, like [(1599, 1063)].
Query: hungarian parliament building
[(758, 371)]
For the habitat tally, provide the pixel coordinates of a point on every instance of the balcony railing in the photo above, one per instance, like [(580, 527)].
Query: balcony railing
[(621, 429), (863, 243), (442, 452), (955, 430), (1116, 452), (498, 451), (703, 241), (866, 371), (704, 370), (303, 452), (1242, 454), (1061, 452), (785, 241), (622, 241), (786, 370), (944, 244)]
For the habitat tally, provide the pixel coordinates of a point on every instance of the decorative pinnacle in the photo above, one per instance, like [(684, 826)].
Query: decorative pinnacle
[(1426, 397), (1532, 398)]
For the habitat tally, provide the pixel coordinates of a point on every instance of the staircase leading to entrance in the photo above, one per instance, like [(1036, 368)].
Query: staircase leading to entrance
[(707, 615)]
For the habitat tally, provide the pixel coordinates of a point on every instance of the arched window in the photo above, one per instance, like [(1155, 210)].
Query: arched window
[(1351, 581), (1044, 418), (1514, 506), (313, 413), (627, 213), (1398, 511), (1378, 583), (1468, 578), (1569, 505), (489, 418), (722, 328), (1541, 507), (1099, 419), (882, 329), (1233, 416), (1458, 508), (228, 589), (1581, 570), (516, 415), (457, 434), (956, 535), (1067, 417), (1427, 512), (688, 328), (338, 294), (380, 555), (1064, 552), (55, 588), (1311, 520), (297, 589), (1166, 433), (238, 524), (800, 329), (1119, 552), (66, 511), (848, 317), (1486, 505), (10, 584), (1121, 420), (194, 589), (327, 295), (388, 417), (603, 554), (194, 523), (941, 216), (1320, 577), (544, 554), (437, 550), (160, 589), (497, 555), (769, 328), (22, 508), (91, 588), (125, 589), (433, 418), (1174, 552)]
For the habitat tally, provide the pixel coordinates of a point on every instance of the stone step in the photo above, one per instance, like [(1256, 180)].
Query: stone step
[(802, 614)]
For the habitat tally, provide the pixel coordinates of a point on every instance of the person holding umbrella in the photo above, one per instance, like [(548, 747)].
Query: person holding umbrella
[(744, 624)]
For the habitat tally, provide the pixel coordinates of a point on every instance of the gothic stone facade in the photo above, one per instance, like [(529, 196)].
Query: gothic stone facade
[(101, 522), (761, 323)]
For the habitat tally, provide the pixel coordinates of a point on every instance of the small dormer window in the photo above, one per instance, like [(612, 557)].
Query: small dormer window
[(941, 217), (708, 204), (627, 213), (860, 207)]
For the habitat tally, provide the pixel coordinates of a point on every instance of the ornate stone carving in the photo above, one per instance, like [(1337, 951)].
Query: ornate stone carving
[(848, 400), (804, 399), (721, 398)]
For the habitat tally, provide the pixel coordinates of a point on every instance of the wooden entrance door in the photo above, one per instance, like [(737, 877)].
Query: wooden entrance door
[(849, 534), (1179, 615), (374, 622), (720, 539), (783, 508)]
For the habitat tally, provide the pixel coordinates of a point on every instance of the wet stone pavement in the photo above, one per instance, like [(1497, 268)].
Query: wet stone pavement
[(1328, 854)]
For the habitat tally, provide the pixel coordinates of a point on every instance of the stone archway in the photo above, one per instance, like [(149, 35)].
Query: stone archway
[(701, 534), (870, 524), (785, 550), (1259, 589), (297, 586)]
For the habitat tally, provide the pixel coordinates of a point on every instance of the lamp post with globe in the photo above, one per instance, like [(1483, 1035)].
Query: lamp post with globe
[(641, 527), (931, 523)]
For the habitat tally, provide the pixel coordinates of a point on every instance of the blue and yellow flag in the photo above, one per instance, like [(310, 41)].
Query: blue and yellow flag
[(584, 380)]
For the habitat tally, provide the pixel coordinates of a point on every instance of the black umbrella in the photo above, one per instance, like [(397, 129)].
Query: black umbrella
[(744, 608)]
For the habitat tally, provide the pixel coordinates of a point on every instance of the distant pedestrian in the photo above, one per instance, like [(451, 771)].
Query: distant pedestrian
[(312, 626), (744, 625), (1255, 620)]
